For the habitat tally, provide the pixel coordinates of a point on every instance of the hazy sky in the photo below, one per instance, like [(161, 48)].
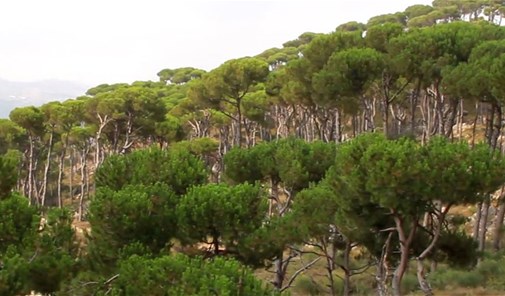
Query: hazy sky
[(107, 41)]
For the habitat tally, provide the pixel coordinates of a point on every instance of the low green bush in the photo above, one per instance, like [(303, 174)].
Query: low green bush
[(447, 278)]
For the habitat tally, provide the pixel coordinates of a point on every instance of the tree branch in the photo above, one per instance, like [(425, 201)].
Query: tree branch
[(298, 272)]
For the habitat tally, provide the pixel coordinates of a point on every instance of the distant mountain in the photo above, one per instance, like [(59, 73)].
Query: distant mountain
[(19, 94)]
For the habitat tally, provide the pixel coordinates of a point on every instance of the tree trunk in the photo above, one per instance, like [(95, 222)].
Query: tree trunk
[(46, 170), (498, 224), (330, 252), (347, 269), (421, 278), (238, 136), (83, 183), (71, 181), (382, 273), (483, 225), (476, 225), (30, 172), (421, 275), (413, 106), (498, 227), (61, 167), (279, 272), (405, 242), (474, 127)]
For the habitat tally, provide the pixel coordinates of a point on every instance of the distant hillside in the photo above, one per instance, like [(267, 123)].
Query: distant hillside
[(18, 94)]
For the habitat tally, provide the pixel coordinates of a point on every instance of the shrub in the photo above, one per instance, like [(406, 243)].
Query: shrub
[(445, 278)]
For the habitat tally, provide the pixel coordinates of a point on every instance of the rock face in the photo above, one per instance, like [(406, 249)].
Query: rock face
[(18, 94)]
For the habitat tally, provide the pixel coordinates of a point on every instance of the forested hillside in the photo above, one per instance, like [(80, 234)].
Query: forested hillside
[(364, 161)]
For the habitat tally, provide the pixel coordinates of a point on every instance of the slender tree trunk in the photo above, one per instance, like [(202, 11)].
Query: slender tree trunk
[(452, 120), (274, 196), (405, 242), (215, 243), (347, 268), (83, 183), (279, 272), (61, 167), (329, 250), (338, 126), (46, 170), (30, 172), (483, 225), (413, 106), (476, 118), (498, 224), (238, 135), (476, 225), (71, 181), (382, 273), (385, 117), (98, 149), (421, 275)]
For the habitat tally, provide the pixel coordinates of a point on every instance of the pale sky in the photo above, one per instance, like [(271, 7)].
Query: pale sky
[(108, 41)]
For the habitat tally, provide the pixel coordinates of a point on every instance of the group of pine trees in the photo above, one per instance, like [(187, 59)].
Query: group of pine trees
[(191, 182)]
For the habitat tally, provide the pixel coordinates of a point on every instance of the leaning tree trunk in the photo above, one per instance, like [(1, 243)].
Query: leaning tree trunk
[(405, 243), (421, 274)]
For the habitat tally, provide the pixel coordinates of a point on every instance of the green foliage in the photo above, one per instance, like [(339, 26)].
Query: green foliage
[(177, 168), (398, 17), (199, 147), (243, 165), (169, 130), (458, 249), (374, 177), (351, 27), (378, 37), (446, 278), (180, 275), (34, 257), (223, 88), (54, 260), (8, 174), (225, 215), (390, 177), (417, 10), (104, 88), (179, 75), (18, 222), (13, 274), (134, 214), (11, 135), (292, 161), (348, 74), (29, 118)]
